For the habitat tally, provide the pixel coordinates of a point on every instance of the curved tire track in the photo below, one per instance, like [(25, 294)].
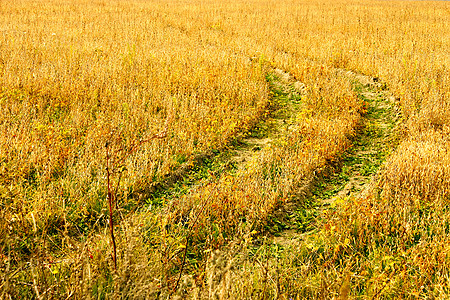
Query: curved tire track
[(355, 175)]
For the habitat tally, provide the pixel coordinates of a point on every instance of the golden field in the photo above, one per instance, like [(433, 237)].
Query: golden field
[(145, 88)]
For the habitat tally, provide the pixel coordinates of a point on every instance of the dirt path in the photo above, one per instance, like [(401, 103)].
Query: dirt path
[(353, 177), (288, 228), (356, 174)]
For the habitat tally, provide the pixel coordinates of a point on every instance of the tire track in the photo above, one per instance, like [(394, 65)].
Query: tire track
[(355, 174), (287, 94)]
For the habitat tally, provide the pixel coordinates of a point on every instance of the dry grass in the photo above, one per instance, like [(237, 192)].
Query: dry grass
[(77, 74), (67, 90)]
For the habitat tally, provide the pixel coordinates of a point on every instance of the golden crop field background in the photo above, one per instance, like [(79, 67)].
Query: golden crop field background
[(163, 94)]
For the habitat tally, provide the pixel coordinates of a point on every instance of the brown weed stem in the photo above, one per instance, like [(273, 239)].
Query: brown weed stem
[(110, 195)]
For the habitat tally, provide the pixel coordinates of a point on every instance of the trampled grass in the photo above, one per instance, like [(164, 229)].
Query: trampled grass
[(77, 75)]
